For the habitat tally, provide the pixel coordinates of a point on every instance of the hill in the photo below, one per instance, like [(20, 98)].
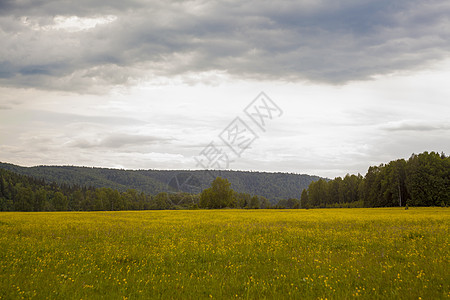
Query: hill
[(273, 186)]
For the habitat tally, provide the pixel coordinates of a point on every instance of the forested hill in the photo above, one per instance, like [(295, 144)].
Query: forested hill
[(273, 186)]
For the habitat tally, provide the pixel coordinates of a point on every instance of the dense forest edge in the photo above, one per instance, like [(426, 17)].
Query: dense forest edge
[(273, 186), (422, 180)]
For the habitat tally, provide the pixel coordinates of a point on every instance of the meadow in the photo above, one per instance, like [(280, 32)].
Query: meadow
[(381, 253)]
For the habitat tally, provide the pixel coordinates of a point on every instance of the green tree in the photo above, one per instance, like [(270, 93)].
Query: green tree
[(372, 187), (206, 198), (60, 202), (304, 202), (115, 200), (40, 199), (161, 201), (100, 200), (130, 199), (2, 187), (428, 179), (242, 199), (350, 186), (335, 191), (24, 198), (254, 202), (264, 202), (293, 203), (219, 195), (76, 199), (317, 193)]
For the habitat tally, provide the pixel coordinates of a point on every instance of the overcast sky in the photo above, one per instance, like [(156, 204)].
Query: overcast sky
[(150, 84)]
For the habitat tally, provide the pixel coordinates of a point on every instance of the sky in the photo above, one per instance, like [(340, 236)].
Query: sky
[(177, 84)]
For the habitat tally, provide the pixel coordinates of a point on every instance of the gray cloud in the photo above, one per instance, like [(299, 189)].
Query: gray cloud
[(61, 119), (332, 42), (416, 126), (116, 141)]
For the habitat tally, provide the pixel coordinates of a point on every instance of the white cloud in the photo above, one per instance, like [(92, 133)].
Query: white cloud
[(68, 23)]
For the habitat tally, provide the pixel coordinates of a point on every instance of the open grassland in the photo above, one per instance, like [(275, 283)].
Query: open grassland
[(327, 253)]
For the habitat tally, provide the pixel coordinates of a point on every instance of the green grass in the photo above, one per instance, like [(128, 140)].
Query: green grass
[(273, 254)]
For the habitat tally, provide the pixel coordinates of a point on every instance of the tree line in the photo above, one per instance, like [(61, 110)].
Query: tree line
[(273, 186), (26, 193), (422, 180)]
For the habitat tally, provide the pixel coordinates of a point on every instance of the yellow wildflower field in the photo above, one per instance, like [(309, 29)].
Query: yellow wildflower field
[(372, 253)]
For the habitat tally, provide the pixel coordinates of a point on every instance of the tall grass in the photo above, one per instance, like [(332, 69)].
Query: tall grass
[(275, 254)]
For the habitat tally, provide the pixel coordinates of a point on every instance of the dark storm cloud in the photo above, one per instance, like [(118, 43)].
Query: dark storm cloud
[(324, 41)]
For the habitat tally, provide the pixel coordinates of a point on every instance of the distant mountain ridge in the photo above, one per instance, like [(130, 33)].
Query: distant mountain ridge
[(273, 186)]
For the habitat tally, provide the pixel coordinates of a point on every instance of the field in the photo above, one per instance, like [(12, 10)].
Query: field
[(275, 254)]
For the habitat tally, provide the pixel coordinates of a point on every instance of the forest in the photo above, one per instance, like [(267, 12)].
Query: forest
[(422, 180), (25, 193), (273, 186)]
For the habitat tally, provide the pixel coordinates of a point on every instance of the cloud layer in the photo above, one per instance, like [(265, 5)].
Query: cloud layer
[(86, 45), (148, 84)]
